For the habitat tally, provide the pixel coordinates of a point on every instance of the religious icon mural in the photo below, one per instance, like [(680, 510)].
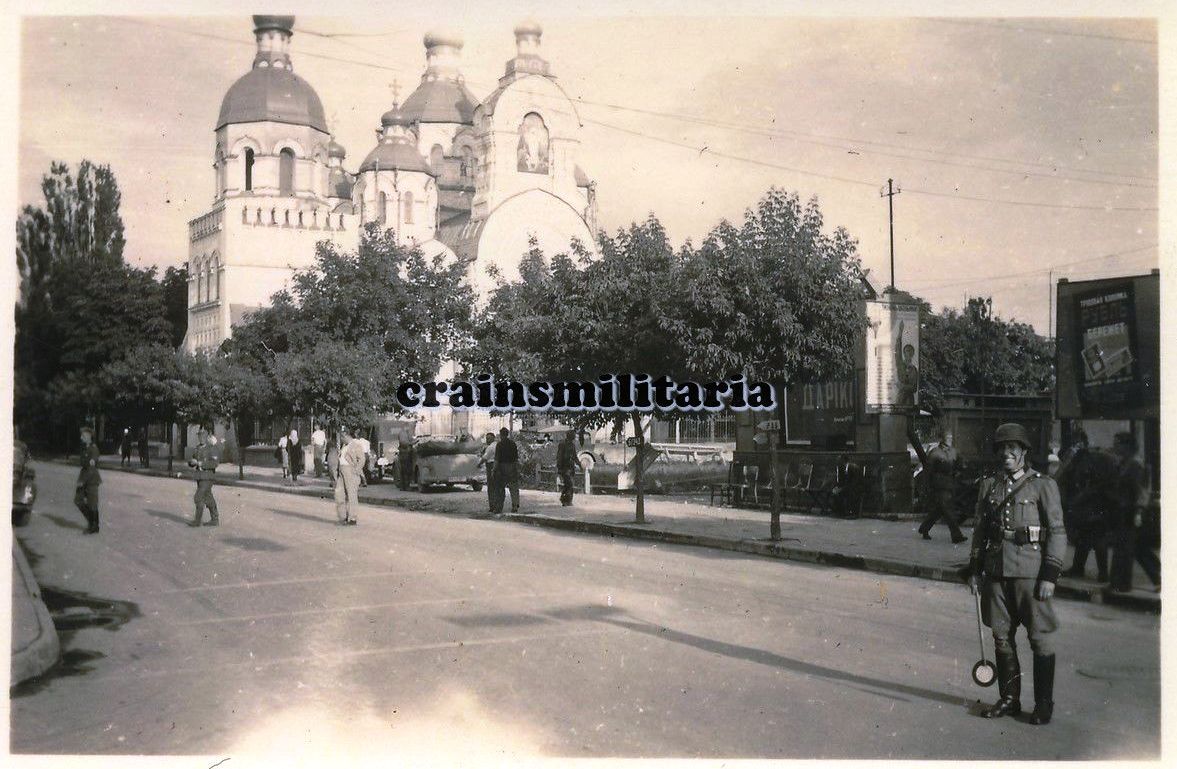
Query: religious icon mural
[(533, 145)]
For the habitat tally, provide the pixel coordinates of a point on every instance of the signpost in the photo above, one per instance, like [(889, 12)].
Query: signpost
[(773, 428)]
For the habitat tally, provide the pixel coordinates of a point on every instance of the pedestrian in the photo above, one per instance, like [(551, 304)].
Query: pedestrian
[(282, 456), (295, 454), (333, 458), (125, 448), (846, 497), (404, 460), (347, 487), (507, 470), (86, 493), (1131, 507), (365, 467), (204, 464), (1085, 483), (1017, 554), (566, 459), (319, 449), (144, 458), (487, 460), (942, 467)]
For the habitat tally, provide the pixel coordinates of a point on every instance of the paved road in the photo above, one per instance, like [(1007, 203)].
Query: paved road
[(281, 632)]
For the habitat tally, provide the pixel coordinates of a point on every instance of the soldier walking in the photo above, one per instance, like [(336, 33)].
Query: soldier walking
[(204, 462), (1017, 554), (507, 470), (86, 493), (565, 460), (942, 466)]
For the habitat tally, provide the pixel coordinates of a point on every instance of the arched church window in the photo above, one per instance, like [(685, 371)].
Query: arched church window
[(215, 277), (408, 207), (248, 170), (533, 149), (199, 282), (382, 211), (466, 168), (436, 158), (286, 172)]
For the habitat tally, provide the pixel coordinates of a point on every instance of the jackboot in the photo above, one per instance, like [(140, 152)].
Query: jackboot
[(1009, 686), (1043, 689)]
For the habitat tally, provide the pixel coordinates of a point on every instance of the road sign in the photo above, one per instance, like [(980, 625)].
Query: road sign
[(769, 425), (631, 441)]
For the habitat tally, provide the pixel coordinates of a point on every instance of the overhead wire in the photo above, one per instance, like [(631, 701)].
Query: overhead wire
[(705, 149)]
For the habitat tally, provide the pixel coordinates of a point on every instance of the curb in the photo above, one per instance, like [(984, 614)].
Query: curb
[(44, 649), (1064, 589)]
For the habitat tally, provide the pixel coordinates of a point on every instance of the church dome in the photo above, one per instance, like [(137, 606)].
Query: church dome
[(272, 94), (395, 156), (280, 23), (395, 116), (336, 150), (440, 101)]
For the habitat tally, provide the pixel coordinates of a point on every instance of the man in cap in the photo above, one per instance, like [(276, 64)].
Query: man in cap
[(204, 463), (1017, 554), (942, 466), (86, 491)]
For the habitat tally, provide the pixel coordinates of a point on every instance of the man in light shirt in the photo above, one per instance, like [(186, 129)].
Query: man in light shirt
[(492, 488), (347, 487), (319, 446)]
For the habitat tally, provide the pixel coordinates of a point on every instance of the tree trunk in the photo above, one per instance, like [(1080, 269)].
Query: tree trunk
[(171, 442), (640, 509), (240, 449)]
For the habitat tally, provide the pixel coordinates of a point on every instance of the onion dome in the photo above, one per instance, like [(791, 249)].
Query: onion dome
[(435, 38), (270, 91), (528, 27), (279, 23), (442, 97), (395, 154), (395, 117), (336, 150)]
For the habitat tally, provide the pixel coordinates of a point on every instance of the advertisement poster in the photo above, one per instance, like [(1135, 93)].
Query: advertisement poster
[(892, 357), (820, 414), (1106, 329)]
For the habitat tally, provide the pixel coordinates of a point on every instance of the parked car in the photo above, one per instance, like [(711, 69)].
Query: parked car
[(442, 460), (24, 484)]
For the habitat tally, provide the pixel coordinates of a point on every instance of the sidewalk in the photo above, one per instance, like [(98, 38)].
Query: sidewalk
[(869, 544)]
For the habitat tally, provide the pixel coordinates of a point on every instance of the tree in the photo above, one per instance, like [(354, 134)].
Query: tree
[(152, 380), (355, 325), (175, 299), (973, 351)]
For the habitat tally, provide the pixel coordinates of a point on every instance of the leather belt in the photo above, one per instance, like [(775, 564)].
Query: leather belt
[(1023, 534)]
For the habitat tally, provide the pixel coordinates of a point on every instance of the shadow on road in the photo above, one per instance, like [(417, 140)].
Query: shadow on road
[(255, 543), (760, 656), (304, 516), (497, 620), (168, 516), (65, 523)]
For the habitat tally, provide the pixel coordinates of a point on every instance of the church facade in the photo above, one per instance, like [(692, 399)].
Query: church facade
[(468, 179)]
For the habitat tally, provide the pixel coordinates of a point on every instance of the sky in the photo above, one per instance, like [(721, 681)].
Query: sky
[(1025, 147)]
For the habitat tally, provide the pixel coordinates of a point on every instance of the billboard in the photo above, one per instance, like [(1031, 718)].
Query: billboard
[(892, 355), (1107, 355), (821, 414)]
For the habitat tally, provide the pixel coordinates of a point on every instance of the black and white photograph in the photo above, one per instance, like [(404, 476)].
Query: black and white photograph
[(495, 384)]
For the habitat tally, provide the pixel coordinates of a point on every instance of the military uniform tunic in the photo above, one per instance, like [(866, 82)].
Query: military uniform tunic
[(1019, 541), (204, 460)]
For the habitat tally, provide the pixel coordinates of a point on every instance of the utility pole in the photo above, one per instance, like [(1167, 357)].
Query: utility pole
[(892, 191)]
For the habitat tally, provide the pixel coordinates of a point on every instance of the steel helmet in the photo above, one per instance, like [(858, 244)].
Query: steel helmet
[(1011, 432)]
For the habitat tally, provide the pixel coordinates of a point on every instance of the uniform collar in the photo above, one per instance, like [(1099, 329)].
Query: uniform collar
[(1016, 476)]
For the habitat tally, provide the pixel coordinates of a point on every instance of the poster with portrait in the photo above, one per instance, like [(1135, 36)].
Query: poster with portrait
[(533, 148), (892, 356)]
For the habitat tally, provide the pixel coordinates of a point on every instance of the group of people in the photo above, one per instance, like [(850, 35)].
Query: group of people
[(1106, 501), (501, 460), (127, 442)]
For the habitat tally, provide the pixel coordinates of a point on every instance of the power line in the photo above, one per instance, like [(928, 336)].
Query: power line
[(914, 190), (1042, 30), (717, 153), (1040, 271)]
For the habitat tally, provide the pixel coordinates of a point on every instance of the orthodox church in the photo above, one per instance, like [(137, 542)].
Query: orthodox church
[(469, 180)]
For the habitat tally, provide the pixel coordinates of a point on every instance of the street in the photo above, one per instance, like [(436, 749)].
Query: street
[(413, 633)]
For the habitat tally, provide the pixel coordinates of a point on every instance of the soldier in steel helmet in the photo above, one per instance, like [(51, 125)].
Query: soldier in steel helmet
[(204, 464), (1017, 554)]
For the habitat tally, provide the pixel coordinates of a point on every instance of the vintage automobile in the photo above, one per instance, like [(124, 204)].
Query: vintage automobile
[(24, 484), (440, 460)]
